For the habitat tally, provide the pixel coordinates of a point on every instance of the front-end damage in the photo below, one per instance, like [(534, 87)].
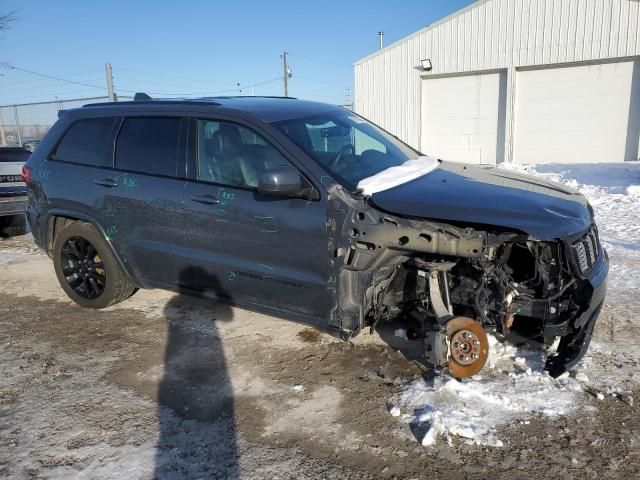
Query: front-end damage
[(455, 281)]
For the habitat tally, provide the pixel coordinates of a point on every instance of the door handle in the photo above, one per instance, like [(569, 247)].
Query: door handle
[(208, 199), (106, 182)]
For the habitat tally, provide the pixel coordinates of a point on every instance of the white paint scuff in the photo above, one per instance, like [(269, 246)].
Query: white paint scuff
[(394, 176)]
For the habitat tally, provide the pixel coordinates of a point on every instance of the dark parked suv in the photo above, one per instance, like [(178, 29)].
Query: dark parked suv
[(13, 191), (309, 211)]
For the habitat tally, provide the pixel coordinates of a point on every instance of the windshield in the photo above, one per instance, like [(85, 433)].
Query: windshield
[(347, 146)]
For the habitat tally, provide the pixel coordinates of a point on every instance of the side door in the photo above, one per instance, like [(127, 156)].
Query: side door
[(249, 247), (141, 200)]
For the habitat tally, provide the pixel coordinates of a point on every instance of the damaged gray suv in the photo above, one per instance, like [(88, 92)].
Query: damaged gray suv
[(309, 211)]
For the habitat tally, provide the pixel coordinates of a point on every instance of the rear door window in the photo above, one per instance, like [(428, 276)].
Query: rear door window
[(149, 145), (89, 142)]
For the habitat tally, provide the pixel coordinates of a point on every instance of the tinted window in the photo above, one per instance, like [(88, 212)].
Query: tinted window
[(14, 154), (234, 155), (148, 145), (88, 141)]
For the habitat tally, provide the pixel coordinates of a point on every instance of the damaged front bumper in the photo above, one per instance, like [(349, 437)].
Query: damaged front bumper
[(577, 333)]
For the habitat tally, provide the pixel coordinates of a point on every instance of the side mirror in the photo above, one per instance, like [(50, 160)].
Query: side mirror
[(284, 182)]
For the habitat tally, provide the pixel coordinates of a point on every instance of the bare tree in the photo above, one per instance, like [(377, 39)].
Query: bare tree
[(6, 20)]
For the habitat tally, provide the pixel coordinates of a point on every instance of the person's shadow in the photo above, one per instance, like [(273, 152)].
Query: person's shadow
[(195, 412)]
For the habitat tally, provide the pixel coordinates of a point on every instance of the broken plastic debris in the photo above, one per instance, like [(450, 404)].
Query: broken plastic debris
[(581, 377), (298, 388), (394, 411), (401, 333)]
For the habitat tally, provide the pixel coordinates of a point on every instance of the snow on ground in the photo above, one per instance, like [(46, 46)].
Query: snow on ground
[(513, 387)]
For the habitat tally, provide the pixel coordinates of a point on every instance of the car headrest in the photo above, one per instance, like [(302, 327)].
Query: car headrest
[(227, 140)]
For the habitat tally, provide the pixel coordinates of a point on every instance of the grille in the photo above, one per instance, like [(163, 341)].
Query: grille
[(587, 250)]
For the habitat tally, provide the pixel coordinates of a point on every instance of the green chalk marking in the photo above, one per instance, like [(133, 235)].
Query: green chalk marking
[(130, 182), (111, 231)]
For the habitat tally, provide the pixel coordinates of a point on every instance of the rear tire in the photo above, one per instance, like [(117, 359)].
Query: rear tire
[(87, 271)]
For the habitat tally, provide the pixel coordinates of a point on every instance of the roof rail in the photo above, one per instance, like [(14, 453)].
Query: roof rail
[(222, 97), (143, 98), (158, 101)]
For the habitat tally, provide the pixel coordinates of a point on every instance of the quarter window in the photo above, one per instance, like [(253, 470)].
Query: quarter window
[(234, 155), (89, 142), (148, 145)]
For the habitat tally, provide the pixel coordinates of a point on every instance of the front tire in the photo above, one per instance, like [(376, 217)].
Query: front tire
[(87, 270)]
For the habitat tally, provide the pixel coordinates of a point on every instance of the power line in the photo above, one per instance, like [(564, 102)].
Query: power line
[(39, 88), (29, 81), (12, 67), (238, 87), (234, 89)]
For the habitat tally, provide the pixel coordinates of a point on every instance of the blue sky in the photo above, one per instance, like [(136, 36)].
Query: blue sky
[(206, 47)]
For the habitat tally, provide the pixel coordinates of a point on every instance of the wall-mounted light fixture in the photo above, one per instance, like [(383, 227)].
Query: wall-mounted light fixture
[(426, 64)]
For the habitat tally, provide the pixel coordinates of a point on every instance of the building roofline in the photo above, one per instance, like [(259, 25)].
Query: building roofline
[(475, 4)]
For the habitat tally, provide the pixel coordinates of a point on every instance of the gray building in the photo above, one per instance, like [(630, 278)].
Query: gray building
[(522, 81)]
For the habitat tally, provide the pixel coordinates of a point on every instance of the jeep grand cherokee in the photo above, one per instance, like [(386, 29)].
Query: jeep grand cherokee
[(309, 211)]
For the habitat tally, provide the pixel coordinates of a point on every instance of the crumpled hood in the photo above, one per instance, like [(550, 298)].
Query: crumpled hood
[(466, 193)]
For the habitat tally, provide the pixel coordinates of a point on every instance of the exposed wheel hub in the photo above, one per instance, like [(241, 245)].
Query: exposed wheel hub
[(465, 347)]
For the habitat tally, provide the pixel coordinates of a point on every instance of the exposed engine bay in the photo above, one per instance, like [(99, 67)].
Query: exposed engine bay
[(453, 283)]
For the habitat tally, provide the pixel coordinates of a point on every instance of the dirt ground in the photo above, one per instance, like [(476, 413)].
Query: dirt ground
[(165, 386)]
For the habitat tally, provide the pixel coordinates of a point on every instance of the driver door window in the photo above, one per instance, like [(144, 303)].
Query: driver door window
[(233, 155)]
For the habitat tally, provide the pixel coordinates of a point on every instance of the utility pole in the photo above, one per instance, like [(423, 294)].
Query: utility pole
[(109, 75), (18, 128), (381, 36), (286, 73), (3, 137)]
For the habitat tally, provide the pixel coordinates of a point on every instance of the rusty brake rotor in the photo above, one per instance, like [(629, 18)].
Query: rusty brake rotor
[(469, 346)]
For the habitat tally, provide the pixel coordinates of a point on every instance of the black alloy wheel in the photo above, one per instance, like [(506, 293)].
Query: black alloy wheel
[(83, 268)]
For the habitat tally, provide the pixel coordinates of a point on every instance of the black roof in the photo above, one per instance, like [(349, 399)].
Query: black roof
[(268, 109)]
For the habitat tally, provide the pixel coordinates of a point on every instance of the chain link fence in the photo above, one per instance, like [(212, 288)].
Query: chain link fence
[(24, 122)]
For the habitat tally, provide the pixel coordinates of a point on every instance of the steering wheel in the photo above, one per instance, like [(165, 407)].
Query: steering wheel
[(341, 154)]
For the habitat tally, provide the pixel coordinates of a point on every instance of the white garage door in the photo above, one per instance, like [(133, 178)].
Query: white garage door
[(576, 114), (463, 118)]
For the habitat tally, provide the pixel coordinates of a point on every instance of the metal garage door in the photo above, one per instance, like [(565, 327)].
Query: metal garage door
[(463, 118), (577, 114)]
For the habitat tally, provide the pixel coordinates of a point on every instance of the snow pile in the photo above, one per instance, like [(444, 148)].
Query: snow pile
[(516, 387), (394, 176)]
